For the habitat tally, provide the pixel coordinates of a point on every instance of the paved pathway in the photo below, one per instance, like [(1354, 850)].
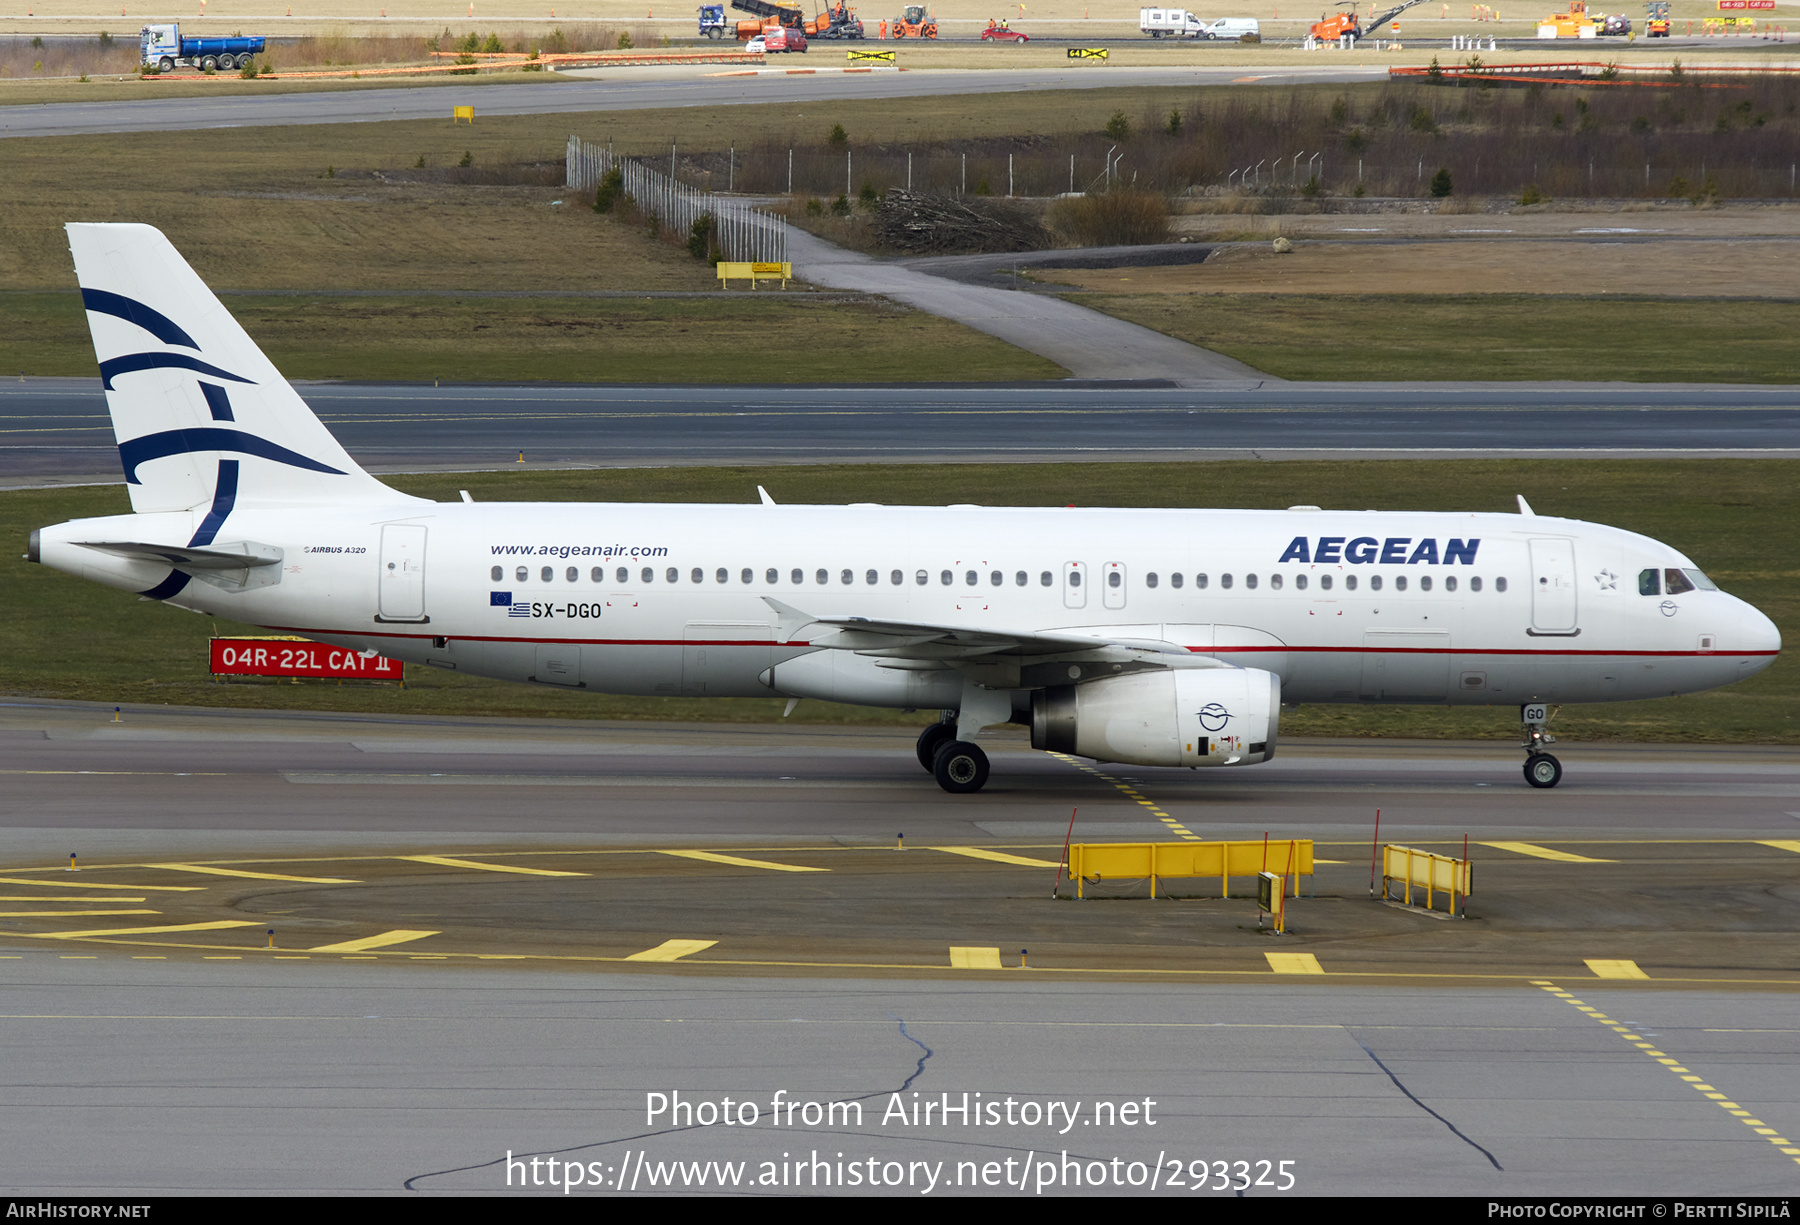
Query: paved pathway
[(1088, 344)]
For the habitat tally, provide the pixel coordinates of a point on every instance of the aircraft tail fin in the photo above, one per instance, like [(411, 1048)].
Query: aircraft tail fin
[(195, 404)]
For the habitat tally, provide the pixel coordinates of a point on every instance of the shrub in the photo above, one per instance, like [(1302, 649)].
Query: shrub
[(492, 46), (1531, 195), (1173, 127), (468, 159), (699, 242), (1422, 120), (1114, 219), (1118, 127), (838, 137), (840, 207), (814, 209), (869, 196), (982, 188), (612, 186), (625, 43), (1312, 188), (1440, 183)]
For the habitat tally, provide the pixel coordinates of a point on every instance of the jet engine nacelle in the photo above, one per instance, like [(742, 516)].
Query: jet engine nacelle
[(1186, 717), (840, 676)]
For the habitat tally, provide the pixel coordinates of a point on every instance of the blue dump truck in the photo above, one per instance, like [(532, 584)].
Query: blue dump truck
[(164, 47), (712, 21)]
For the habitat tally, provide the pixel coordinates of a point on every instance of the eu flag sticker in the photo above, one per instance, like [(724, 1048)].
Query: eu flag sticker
[(499, 599)]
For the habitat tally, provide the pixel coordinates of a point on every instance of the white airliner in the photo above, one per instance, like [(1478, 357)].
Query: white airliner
[(1154, 637)]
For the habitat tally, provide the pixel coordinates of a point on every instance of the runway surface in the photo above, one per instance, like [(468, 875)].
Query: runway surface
[(616, 90), (455, 903), (58, 428)]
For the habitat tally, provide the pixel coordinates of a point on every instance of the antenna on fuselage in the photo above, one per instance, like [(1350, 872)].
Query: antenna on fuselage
[(1524, 506), (764, 495)]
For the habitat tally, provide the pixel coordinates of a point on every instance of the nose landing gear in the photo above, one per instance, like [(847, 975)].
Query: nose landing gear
[(1541, 769)]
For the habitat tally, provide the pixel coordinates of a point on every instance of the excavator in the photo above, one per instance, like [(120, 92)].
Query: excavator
[(1345, 23)]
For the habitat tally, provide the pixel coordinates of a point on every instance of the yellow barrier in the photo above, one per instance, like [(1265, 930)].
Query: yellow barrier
[(883, 56), (736, 270), (1436, 873), (463, 112), (1087, 53), (1092, 862)]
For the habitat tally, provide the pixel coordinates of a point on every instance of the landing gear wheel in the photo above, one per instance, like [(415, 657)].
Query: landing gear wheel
[(961, 768), (1543, 770), (931, 739)]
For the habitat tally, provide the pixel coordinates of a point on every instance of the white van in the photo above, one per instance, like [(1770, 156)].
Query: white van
[(1233, 28)]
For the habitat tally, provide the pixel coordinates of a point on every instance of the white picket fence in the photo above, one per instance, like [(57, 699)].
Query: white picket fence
[(741, 231)]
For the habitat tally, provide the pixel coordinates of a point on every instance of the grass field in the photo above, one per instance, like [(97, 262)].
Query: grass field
[(1481, 336), (63, 638), (744, 338)]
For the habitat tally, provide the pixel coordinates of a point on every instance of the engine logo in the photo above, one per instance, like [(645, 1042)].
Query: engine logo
[(1213, 716)]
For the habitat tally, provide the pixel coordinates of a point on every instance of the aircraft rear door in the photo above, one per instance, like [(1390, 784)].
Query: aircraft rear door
[(402, 582), (1553, 608)]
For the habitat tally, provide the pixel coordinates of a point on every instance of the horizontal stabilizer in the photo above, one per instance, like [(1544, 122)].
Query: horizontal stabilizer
[(240, 556)]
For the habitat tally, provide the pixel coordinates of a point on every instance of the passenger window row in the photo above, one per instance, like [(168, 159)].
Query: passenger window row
[(1326, 581), (795, 577), (1649, 582)]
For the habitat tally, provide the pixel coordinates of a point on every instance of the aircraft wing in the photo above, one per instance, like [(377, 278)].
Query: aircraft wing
[(1038, 657)]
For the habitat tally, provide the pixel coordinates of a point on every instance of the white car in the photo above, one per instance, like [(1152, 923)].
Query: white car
[(756, 46)]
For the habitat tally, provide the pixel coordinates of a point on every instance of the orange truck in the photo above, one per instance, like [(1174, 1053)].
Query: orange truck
[(1345, 24)]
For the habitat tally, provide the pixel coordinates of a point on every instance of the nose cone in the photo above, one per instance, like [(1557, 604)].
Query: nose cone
[(1758, 638)]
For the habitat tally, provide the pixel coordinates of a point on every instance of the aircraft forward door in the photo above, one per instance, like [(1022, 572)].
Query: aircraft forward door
[(401, 587), (1553, 608)]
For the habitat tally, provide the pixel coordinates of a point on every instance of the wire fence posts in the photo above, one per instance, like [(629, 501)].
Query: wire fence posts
[(743, 232)]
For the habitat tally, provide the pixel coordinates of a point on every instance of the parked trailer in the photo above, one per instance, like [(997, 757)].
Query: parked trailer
[(164, 47), (1171, 23)]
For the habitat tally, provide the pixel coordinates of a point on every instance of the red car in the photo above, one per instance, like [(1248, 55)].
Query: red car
[(1001, 34)]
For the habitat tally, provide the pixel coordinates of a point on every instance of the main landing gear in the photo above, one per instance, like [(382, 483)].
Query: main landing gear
[(960, 768), (1541, 769)]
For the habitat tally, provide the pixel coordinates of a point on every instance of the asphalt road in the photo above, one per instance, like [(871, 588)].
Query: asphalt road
[(58, 428), (616, 90)]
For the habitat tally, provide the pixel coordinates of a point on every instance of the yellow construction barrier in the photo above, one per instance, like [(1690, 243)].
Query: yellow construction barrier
[(1093, 862), (735, 270), (1436, 874), (462, 112), (1087, 53), (858, 56)]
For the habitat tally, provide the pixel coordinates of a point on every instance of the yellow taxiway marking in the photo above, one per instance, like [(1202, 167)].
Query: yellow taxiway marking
[(975, 852), (202, 868), (60, 914), (28, 897), (447, 862), (1294, 963), (216, 925), (965, 958), (736, 862), (89, 884), (1542, 852), (1615, 968), (1136, 797), (1782, 844), (1692, 1081), (672, 950), (398, 936)]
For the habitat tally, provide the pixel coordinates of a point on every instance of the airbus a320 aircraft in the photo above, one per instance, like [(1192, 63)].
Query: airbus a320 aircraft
[(1154, 637)]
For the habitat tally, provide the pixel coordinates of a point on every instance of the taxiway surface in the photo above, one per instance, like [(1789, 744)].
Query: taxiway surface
[(498, 936), (59, 428)]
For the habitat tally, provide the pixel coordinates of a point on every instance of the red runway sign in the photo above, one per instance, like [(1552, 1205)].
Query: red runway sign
[(292, 657)]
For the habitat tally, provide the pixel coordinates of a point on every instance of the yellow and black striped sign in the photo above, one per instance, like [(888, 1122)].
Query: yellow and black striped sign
[(884, 56), (1087, 53)]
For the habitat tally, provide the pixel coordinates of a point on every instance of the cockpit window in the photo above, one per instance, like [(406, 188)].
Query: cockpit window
[(1649, 582), (1677, 581), (1700, 580)]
